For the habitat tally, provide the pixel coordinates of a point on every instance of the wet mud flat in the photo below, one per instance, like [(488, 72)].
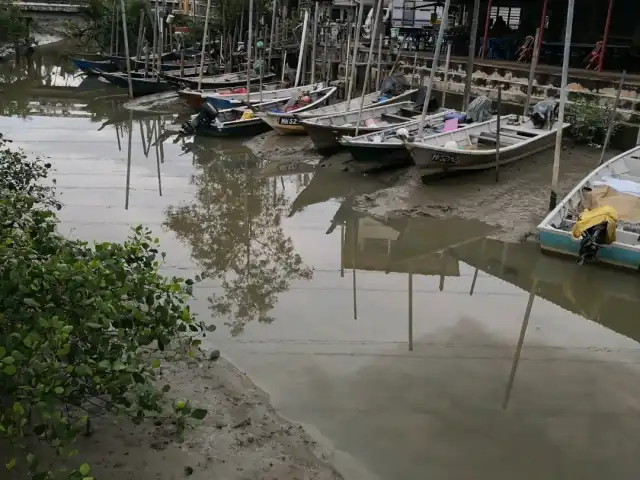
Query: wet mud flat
[(516, 203)]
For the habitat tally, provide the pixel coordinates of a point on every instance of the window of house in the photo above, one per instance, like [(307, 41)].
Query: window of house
[(511, 15)]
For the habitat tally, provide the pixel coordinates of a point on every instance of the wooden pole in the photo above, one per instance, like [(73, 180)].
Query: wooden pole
[(498, 133), (472, 54), (204, 44), (139, 41), (273, 30), (605, 37), (356, 44), (249, 42), (346, 63), (316, 16), (415, 67), (114, 22), (543, 21), (446, 72), (126, 50), (378, 73), (118, 35), (410, 311), (301, 55), (532, 72), (434, 65), (284, 67), (553, 198), (612, 118), (367, 72), (486, 30), (325, 56)]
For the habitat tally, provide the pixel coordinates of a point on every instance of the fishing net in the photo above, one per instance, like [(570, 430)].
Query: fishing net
[(392, 86), (480, 109), (544, 111)]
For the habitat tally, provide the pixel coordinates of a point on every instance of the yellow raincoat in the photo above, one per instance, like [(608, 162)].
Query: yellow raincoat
[(591, 218)]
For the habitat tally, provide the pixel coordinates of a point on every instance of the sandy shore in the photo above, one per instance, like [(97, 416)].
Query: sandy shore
[(242, 437)]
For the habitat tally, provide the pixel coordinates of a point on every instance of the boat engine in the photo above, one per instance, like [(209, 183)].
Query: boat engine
[(595, 228), (208, 113)]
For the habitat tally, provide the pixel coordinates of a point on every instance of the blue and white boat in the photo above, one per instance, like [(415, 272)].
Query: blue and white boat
[(616, 185)]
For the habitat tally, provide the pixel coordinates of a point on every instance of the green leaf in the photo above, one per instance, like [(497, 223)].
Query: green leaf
[(155, 363), (31, 302), (199, 413), (8, 360), (3, 352), (104, 364), (58, 390), (118, 366), (138, 378), (10, 370), (93, 325), (84, 469)]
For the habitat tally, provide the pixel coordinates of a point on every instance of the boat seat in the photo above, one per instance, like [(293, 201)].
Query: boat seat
[(488, 138), (409, 112)]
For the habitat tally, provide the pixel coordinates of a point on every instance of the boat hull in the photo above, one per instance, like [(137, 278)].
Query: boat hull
[(326, 138), (285, 124), (563, 243), (371, 158), (90, 66), (432, 161), (240, 129), (193, 82), (140, 86)]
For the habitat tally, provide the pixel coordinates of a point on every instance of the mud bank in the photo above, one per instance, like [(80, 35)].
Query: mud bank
[(242, 437), (515, 203)]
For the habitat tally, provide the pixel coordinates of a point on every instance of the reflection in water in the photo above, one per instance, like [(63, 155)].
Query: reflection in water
[(235, 233), (434, 247)]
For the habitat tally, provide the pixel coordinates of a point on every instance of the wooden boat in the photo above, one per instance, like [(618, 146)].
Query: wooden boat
[(140, 85), (222, 99), (326, 131), (195, 98), (239, 122), (384, 149), (370, 100), (285, 122), (90, 67), (616, 184), (226, 80), (475, 145)]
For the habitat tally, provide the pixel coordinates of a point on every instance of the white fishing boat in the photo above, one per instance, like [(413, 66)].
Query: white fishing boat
[(222, 99), (384, 149), (600, 218), (374, 99), (474, 147), (284, 120), (326, 131)]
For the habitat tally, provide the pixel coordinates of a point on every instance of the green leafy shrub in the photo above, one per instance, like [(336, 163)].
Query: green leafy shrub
[(589, 120), (80, 325)]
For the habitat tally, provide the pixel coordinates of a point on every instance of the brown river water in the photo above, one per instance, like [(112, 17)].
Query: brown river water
[(414, 346)]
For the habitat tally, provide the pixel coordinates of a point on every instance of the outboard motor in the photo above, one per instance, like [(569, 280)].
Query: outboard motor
[(595, 228), (590, 242), (545, 113), (479, 110), (208, 113)]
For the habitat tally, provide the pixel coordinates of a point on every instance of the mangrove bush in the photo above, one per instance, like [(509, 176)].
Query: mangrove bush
[(81, 326)]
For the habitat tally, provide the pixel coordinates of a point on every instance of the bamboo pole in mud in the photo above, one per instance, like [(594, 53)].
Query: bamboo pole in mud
[(612, 118), (379, 66), (434, 66), (128, 181), (204, 43), (249, 40), (446, 72), (126, 51), (367, 72), (356, 44), (472, 54), (473, 282), (118, 33), (158, 146), (326, 60), (139, 40), (114, 16), (154, 47), (273, 30), (498, 133), (354, 244), (553, 197), (261, 71), (410, 311), (516, 356), (284, 67), (346, 63), (316, 16), (415, 67), (532, 73), (301, 55)]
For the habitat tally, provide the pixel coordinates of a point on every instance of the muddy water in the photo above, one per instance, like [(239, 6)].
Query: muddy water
[(416, 347)]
